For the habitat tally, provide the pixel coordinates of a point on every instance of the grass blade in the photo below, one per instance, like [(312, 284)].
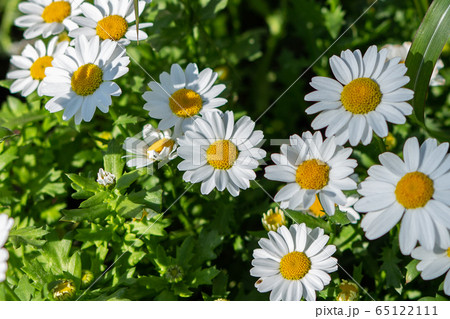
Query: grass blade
[(425, 51)]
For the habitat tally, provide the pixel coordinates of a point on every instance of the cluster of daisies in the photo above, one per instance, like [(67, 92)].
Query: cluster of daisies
[(85, 54), (78, 72), (366, 94), (217, 151)]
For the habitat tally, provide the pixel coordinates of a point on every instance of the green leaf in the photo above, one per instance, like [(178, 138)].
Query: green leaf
[(128, 119), (182, 290), (112, 161), (56, 253), (411, 271), (206, 243), (24, 289), (5, 133), (152, 282), (7, 157), (333, 20), (36, 272), (357, 272), (24, 119), (28, 235), (211, 9), (128, 208), (74, 267), (136, 257), (52, 189), (127, 179), (184, 253), (339, 218), (204, 276), (83, 182), (154, 226), (97, 199), (90, 214), (162, 260), (220, 284), (425, 50), (310, 221), (394, 276), (153, 200), (347, 236), (94, 235), (6, 83)]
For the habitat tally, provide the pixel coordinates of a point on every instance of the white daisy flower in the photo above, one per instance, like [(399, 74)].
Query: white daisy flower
[(182, 96), (416, 189), (110, 19), (81, 80), (220, 153), (6, 224), (312, 166), (105, 178), (31, 65), (368, 93), (47, 17), (352, 214), (401, 51), (434, 263), (293, 263), (156, 146)]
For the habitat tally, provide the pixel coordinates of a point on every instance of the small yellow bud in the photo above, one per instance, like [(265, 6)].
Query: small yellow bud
[(390, 141), (86, 278), (64, 290), (272, 220), (349, 291)]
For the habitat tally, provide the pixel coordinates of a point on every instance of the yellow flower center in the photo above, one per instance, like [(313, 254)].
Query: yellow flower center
[(448, 252), (294, 266), (312, 174), (361, 96), (414, 190), (221, 154), (274, 219), (185, 103), (37, 69), (56, 12), (159, 145), (112, 27), (316, 208), (87, 79)]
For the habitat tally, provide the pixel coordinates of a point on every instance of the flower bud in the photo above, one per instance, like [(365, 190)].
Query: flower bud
[(174, 273), (349, 291), (105, 178), (273, 219), (65, 290), (86, 278)]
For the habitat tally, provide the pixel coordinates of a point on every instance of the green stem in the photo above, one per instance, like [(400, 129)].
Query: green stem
[(11, 292)]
